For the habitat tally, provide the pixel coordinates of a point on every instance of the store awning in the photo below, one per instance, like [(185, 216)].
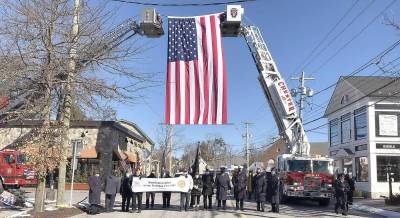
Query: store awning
[(132, 157), (344, 153), (120, 155), (89, 153)]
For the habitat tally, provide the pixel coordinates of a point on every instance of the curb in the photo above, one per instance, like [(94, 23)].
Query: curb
[(374, 210), (21, 214)]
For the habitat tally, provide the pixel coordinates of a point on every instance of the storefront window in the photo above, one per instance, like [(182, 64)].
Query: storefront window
[(360, 123), (348, 166), (346, 128), (334, 132), (387, 164), (362, 169)]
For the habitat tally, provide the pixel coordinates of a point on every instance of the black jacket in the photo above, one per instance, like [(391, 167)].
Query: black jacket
[(260, 187), (126, 185), (223, 184), (208, 184), (240, 185), (273, 189), (197, 186)]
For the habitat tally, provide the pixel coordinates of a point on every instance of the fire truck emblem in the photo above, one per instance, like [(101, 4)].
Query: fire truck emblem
[(234, 12)]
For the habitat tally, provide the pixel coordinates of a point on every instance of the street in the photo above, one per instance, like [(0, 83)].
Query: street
[(293, 209)]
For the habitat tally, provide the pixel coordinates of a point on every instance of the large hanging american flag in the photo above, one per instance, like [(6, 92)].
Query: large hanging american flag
[(196, 74)]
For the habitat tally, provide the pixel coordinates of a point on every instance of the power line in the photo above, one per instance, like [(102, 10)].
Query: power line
[(372, 61), (298, 68), (182, 4), (353, 38), (326, 102), (373, 91), (325, 124)]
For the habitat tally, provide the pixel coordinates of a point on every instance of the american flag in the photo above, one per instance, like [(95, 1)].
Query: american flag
[(196, 74)]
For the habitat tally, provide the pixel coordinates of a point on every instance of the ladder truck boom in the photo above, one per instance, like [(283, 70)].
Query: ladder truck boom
[(149, 26), (300, 175), (282, 105)]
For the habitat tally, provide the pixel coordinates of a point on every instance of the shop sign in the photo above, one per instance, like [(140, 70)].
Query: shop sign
[(388, 146)]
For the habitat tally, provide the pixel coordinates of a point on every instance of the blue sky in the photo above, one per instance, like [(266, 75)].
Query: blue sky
[(291, 28)]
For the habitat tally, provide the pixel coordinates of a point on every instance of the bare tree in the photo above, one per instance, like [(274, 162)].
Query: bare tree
[(37, 49)]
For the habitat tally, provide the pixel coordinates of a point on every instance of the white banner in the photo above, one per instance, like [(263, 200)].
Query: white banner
[(180, 184), (388, 125)]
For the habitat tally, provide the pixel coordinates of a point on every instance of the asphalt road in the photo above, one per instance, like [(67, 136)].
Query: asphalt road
[(292, 209)]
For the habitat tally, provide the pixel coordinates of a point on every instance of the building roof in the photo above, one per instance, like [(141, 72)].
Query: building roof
[(134, 125), (351, 89), (77, 124), (319, 148)]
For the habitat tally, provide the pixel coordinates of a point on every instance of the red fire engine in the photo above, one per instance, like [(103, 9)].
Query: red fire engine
[(14, 170)]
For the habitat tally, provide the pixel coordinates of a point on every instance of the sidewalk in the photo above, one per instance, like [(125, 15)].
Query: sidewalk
[(376, 207)]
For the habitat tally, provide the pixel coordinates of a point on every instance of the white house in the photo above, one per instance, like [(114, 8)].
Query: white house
[(364, 134)]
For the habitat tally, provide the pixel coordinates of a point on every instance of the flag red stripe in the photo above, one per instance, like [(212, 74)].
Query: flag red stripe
[(224, 85), (197, 93), (187, 95), (168, 91), (177, 93), (205, 68), (215, 70)]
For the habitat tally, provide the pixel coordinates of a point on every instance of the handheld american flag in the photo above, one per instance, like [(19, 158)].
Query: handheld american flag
[(196, 73)]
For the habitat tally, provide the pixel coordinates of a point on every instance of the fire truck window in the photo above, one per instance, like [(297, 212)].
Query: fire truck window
[(10, 159), (21, 159), (322, 167), (299, 165)]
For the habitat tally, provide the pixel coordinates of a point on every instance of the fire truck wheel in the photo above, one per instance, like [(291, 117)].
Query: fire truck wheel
[(324, 202)]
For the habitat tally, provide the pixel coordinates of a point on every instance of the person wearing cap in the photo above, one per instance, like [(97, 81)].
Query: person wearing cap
[(208, 189), (341, 188), (185, 196), (260, 189), (197, 190), (240, 187), (166, 196), (223, 184), (137, 196), (273, 190)]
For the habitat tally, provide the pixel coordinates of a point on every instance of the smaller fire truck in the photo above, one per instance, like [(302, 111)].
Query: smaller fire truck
[(14, 170)]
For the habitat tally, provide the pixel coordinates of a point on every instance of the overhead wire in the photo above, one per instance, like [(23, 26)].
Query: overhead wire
[(396, 79), (313, 113), (352, 39), (300, 66), (182, 4)]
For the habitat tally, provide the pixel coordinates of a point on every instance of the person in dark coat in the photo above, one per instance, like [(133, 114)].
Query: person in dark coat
[(260, 189), (351, 187), (197, 190), (150, 194), (340, 194), (223, 184), (208, 188), (112, 187), (95, 187), (166, 196), (273, 190), (137, 196), (126, 191), (240, 188)]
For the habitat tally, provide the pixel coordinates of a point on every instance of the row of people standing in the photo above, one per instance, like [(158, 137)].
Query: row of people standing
[(263, 185)]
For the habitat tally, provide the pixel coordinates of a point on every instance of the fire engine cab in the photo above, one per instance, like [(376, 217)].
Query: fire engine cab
[(14, 170)]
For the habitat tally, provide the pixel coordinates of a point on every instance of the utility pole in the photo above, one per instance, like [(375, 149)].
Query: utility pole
[(66, 106), (247, 138), (302, 91), (170, 134)]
